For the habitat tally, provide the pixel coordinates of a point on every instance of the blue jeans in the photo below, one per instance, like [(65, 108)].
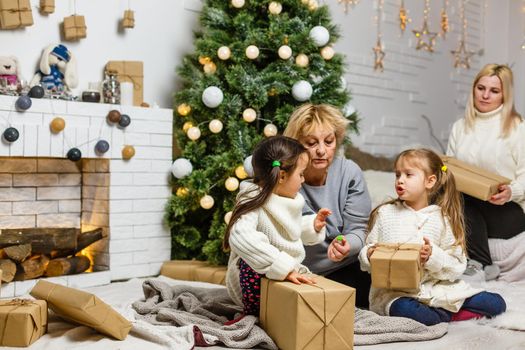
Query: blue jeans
[(484, 303)]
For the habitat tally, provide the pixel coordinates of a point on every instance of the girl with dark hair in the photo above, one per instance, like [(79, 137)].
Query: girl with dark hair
[(267, 231)]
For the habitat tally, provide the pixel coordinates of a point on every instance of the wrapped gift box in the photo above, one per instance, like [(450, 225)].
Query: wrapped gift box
[(22, 321), (47, 6), (132, 71), (474, 181), (129, 19), (194, 270), (82, 308), (396, 266), (15, 14), (75, 27), (308, 316)]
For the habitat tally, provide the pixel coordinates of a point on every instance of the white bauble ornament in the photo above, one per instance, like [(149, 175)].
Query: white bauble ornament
[(248, 166), (181, 167), (316, 79), (238, 3), (327, 52), (193, 133), (302, 90), (215, 126), (302, 60), (285, 52), (275, 7), (240, 172), (231, 184), (224, 53), (270, 130), (228, 217), (348, 110), (212, 96), (207, 202), (319, 35), (249, 115), (252, 52)]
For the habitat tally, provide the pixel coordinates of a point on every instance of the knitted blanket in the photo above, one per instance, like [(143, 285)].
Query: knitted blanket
[(207, 308), (210, 308), (509, 255)]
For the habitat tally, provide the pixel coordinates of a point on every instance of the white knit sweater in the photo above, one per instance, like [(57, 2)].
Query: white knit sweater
[(483, 146), (270, 240), (440, 285)]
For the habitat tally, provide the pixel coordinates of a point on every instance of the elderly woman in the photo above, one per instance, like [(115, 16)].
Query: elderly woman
[(492, 136), (336, 183)]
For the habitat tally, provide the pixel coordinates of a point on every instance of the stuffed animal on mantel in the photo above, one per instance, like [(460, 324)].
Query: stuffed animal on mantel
[(10, 70), (58, 70)]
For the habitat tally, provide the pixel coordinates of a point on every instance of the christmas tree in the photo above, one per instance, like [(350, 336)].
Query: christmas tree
[(254, 62)]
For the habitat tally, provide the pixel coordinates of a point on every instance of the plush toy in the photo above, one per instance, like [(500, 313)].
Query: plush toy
[(58, 70), (10, 70)]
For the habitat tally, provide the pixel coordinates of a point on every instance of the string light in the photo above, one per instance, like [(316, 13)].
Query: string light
[(403, 17), (444, 19), (461, 54), (348, 3), (427, 45), (378, 49)]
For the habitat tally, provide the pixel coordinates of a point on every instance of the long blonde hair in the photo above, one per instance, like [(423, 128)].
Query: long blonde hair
[(443, 193), (510, 117), (309, 117)]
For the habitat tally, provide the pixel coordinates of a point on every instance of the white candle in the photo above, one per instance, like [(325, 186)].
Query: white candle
[(126, 93)]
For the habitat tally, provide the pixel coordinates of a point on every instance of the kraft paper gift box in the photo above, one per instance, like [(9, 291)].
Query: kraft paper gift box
[(396, 266), (15, 14), (308, 316), (129, 19), (74, 27), (211, 274), (22, 321), (82, 308), (47, 6), (181, 269), (472, 180), (132, 71)]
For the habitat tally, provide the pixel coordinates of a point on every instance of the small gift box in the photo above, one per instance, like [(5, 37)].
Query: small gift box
[(22, 321), (15, 14), (132, 71), (82, 308), (308, 316), (396, 266), (129, 19), (75, 27), (47, 6), (472, 180)]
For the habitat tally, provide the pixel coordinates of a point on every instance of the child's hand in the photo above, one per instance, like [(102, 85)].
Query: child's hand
[(338, 249), (320, 219), (425, 252), (297, 278), (370, 251)]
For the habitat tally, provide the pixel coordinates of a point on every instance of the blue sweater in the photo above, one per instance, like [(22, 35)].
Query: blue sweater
[(346, 194)]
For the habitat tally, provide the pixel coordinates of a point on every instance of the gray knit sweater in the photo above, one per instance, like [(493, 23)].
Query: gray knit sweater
[(346, 194)]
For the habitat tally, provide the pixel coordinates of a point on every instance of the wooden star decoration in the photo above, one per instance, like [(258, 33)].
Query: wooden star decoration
[(421, 34), (348, 3), (379, 56), (462, 56)]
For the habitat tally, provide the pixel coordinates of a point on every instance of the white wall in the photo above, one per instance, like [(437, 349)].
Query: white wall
[(390, 103)]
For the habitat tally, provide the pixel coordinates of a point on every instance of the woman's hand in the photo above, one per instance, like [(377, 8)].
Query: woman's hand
[(425, 252), (503, 196), (338, 250), (297, 278), (320, 219)]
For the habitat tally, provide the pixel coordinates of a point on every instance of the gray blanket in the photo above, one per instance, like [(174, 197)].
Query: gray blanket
[(210, 308)]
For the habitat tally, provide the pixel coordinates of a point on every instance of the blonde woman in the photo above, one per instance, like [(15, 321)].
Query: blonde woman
[(336, 183), (492, 136)]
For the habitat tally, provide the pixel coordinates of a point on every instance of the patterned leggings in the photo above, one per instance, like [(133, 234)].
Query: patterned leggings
[(251, 289)]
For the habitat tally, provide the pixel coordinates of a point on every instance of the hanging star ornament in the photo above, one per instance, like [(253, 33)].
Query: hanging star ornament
[(427, 45), (379, 56), (348, 3), (462, 56)]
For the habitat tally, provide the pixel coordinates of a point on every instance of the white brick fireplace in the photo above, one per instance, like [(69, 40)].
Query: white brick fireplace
[(39, 187)]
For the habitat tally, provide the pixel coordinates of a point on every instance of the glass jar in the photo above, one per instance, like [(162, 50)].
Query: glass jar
[(111, 88)]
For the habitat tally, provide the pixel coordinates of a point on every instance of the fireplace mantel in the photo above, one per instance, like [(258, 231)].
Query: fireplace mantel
[(138, 188)]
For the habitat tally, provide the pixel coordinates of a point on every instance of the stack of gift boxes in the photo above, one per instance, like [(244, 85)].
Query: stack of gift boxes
[(15, 14)]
